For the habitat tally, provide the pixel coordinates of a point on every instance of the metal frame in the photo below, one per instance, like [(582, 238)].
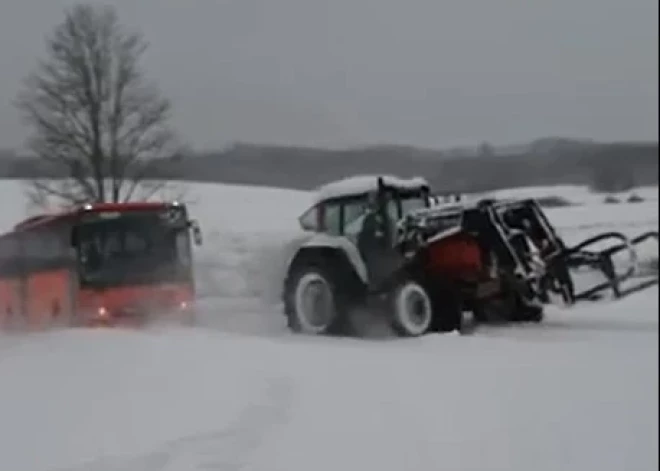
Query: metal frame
[(562, 258)]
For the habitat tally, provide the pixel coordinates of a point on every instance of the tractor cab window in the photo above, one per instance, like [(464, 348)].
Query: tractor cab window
[(309, 221), (345, 216), (412, 203), (393, 214), (392, 210), (354, 213), (331, 218)]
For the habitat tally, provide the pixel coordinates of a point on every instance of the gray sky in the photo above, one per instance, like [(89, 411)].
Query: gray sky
[(435, 73)]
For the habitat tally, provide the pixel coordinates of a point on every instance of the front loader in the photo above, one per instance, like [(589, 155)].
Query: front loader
[(564, 264)]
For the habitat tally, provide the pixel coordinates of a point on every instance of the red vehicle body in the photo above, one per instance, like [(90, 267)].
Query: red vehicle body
[(102, 264), (457, 257)]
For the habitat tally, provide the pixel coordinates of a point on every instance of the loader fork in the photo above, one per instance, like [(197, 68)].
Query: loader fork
[(579, 256)]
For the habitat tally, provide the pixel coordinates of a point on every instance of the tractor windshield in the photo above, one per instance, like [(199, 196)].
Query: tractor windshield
[(134, 247), (345, 215), (412, 202), (397, 205)]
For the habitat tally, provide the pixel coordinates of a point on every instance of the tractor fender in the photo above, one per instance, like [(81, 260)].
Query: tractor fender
[(331, 249)]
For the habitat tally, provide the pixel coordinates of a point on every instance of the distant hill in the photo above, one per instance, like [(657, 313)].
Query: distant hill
[(548, 161)]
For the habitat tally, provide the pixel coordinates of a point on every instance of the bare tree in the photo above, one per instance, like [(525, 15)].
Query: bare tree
[(95, 119)]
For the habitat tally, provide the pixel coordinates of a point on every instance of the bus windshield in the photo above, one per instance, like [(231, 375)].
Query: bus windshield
[(137, 247)]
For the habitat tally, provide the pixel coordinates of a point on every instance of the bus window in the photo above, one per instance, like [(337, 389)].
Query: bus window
[(133, 247), (45, 247), (9, 254)]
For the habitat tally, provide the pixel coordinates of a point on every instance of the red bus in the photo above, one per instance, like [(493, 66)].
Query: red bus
[(101, 264)]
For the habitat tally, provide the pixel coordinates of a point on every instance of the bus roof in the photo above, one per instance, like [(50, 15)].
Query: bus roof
[(44, 219), (130, 206)]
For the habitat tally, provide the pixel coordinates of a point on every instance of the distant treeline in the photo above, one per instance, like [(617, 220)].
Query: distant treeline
[(604, 167)]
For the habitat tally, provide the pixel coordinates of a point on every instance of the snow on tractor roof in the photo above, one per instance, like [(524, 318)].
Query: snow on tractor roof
[(361, 184)]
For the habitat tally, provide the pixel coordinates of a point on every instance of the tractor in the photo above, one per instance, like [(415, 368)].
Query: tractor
[(386, 244)]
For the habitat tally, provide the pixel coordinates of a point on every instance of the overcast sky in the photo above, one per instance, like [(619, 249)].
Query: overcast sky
[(436, 73)]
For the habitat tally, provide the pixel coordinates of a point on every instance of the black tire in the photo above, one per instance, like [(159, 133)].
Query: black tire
[(521, 307), (527, 305), (447, 307), (526, 311), (495, 310), (411, 309), (326, 281), (507, 307)]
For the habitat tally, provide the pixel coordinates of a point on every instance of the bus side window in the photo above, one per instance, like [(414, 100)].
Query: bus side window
[(43, 248), (62, 243), (32, 249), (9, 254)]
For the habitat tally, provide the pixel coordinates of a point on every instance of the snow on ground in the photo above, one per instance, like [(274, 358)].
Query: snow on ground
[(578, 392), (575, 194)]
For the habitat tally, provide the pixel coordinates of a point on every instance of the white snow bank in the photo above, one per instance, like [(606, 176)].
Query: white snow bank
[(577, 393), (575, 194), (70, 397), (592, 216)]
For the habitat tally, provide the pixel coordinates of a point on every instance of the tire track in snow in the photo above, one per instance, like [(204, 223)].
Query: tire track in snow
[(227, 449)]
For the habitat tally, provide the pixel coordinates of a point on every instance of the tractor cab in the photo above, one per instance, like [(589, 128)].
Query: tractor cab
[(340, 208), (364, 213)]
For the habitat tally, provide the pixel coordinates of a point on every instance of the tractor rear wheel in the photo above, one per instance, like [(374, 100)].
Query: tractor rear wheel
[(312, 303)]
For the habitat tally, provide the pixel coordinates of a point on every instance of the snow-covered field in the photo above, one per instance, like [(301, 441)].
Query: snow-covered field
[(579, 392)]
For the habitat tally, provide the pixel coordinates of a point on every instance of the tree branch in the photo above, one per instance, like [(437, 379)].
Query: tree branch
[(92, 113)]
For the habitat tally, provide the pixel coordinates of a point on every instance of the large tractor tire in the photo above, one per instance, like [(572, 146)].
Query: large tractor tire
[(312, 303), (447, 309), (514, 304)]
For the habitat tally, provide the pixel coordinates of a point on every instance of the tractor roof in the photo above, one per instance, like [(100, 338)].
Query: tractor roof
[(362, 184)]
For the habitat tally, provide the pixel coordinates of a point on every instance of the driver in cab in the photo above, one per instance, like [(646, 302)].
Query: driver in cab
[(374, 240)]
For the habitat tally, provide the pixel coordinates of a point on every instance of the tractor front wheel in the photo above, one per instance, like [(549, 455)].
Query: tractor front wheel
[(411, 309)]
